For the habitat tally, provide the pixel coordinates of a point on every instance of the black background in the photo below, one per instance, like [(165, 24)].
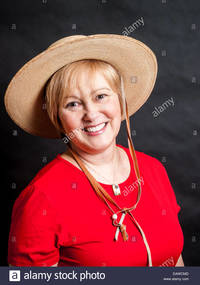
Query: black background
[(171, 30)]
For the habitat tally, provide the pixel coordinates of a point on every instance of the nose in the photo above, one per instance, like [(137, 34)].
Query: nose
[(91, 112)]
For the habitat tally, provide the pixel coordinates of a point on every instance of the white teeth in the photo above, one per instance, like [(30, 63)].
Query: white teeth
[(95, 129)]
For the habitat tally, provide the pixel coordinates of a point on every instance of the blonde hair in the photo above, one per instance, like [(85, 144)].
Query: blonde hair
[(61, 82)]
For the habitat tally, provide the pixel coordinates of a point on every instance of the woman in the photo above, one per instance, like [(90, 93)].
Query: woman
[(98, 203)]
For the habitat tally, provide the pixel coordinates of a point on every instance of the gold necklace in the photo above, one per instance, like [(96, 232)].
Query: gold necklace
[(115, 187)]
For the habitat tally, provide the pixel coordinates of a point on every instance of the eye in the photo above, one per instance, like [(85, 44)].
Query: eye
[(72, 105), (101, 96)]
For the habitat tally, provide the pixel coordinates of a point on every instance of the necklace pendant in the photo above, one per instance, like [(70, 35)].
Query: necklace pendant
[(116, 189)]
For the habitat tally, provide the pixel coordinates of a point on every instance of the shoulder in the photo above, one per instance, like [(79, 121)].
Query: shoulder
[(150, 167), (144, 159), (54, 178), (49, 172), (49, 185), (149, 161)]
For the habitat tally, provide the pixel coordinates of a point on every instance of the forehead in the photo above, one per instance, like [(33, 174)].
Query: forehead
[(88, 80)]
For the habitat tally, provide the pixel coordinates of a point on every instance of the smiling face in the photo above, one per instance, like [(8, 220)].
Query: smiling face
[(91, 112)]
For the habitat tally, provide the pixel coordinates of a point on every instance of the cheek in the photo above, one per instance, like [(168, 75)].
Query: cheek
[(114, 109), (69, 121)]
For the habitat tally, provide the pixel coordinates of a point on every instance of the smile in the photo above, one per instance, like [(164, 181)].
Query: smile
[(95, 130)]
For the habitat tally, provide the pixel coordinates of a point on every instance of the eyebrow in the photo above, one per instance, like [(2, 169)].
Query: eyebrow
[(93, 91)]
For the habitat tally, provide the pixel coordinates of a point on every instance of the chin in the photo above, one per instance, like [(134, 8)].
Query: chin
[(93, 147)]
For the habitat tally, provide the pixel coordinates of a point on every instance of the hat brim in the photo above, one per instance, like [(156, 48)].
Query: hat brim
[(135, 62)]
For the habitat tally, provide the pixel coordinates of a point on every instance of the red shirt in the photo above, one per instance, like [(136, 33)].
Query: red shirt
[(58, 217)]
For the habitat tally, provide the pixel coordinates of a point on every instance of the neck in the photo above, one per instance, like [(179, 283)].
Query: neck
[(101, 158)]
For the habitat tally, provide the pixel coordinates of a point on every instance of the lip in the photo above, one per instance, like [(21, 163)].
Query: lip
[(97, 132), (91, 126)]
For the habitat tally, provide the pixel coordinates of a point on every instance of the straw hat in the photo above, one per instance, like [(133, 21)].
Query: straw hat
[(135, 62)]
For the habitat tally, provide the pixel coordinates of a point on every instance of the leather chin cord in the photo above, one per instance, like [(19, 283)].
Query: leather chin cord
[(105, 197)]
